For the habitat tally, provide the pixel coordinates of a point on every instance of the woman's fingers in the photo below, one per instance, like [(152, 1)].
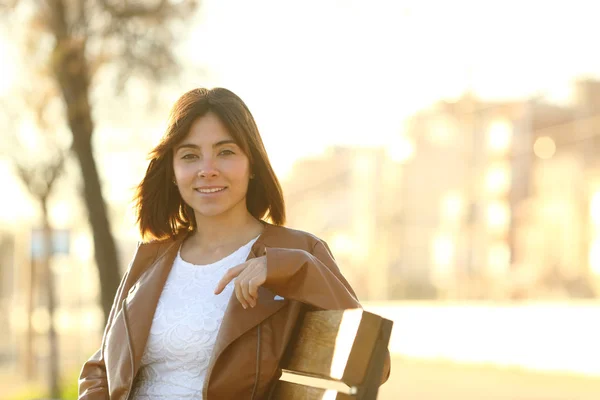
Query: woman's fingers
[(231, 274), (240, 294), (247, 277), (253, 288), (243, 284), (245, 281)]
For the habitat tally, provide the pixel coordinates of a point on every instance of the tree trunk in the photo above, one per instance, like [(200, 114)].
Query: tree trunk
[(70, 69), (30, 370), (53, 361)]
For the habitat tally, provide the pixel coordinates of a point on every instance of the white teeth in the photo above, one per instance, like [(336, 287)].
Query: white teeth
[(210, 190)]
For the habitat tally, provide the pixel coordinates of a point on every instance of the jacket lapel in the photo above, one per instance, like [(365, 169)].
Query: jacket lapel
[(237, 320), (143, 297)]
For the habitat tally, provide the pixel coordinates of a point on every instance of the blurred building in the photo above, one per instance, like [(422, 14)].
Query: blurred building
[(555, 227), (473, 200), (350, 198)]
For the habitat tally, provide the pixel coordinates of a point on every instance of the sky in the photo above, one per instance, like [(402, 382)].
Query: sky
[(317, 73)]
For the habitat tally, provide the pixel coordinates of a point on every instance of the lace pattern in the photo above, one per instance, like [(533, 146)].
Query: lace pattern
[(184, 329)]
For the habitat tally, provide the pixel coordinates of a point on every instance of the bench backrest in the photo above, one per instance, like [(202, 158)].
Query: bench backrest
[(335, 355)]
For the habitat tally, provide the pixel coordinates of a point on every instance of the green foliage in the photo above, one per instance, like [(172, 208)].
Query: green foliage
[(36, 391), (69, 389)]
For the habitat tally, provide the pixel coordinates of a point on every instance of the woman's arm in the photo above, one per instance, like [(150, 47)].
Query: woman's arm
[(312, 278), (309, 277)]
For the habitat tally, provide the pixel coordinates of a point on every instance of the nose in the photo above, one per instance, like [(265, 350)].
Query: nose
[(208, 169)]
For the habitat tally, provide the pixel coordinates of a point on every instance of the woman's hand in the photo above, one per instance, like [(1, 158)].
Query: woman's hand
[(248, 276)]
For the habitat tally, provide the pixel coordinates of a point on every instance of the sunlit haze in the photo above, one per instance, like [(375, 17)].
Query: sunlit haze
[(317, 73), (446, 152), (321, 73)]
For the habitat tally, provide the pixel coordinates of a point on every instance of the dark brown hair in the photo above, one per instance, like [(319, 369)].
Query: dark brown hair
[(161, 212)]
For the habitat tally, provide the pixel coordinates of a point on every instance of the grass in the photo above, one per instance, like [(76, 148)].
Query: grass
[(37, 391)]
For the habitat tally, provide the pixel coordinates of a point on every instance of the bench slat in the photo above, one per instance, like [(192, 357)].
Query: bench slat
[(335, 344), (293, 391), (344, 348)]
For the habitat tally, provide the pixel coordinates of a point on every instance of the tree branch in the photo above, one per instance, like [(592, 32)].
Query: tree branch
[(24, 174), (40, 178), (127, 11), (8, 4), (142, 43), (58, 19)]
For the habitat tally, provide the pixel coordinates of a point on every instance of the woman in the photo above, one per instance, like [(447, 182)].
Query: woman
[(208, 304)]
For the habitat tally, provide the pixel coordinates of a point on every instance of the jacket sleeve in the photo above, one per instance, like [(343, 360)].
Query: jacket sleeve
[(314, 279), (93, 384)]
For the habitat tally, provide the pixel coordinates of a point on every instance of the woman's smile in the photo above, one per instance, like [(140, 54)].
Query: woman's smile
[(211, 190)]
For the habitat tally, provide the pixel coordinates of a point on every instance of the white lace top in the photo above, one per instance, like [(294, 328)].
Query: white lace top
[(184, 329)]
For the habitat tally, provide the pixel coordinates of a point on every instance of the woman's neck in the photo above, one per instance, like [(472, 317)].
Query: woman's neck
[(217, 232)]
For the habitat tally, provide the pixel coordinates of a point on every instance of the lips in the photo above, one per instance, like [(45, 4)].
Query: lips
[(211, 190)]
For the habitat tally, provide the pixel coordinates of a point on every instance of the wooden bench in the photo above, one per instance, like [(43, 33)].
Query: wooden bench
[(335, 355)]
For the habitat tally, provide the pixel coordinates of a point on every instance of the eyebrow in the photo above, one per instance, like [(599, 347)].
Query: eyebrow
[(196, 147)]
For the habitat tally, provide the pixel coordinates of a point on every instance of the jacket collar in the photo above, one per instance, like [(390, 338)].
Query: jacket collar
[(143, 298)]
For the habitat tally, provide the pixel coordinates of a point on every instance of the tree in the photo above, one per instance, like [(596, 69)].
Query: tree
[(129, 37), (39, 180), (40, 177)]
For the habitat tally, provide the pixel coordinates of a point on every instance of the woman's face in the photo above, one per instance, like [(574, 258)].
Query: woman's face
[(211, 171)]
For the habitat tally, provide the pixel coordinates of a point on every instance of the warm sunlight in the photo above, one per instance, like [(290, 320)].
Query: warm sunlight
[(377, 70), (452, 206), (343, 343), (536, 335), (15, 207), (438, 157), (8, 68)]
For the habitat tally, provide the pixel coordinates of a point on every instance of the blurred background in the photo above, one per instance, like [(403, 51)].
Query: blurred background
[(446, 150)]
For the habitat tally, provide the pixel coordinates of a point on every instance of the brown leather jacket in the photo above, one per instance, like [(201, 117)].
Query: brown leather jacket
[(250, 343)]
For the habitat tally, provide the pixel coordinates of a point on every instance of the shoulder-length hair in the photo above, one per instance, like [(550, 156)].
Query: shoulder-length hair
[(161, 212)]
